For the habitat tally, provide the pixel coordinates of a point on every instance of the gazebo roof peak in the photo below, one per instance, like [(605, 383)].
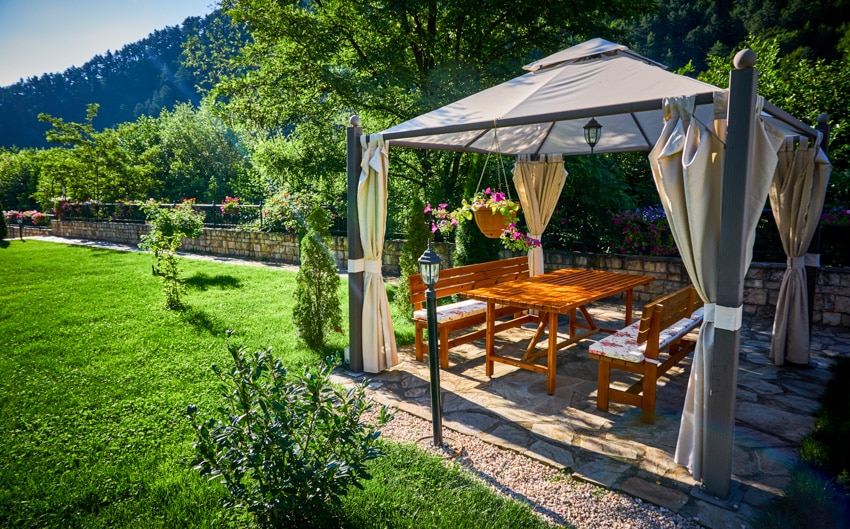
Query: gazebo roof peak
[(588, 50)]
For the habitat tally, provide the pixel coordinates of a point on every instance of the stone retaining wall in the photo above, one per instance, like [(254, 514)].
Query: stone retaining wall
[(761, 286)]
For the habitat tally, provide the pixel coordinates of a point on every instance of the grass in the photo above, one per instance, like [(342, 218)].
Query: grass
[(95, 377)]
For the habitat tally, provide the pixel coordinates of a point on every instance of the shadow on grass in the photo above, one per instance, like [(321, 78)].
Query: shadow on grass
[(202, 321), (204, 281), (4, 243)]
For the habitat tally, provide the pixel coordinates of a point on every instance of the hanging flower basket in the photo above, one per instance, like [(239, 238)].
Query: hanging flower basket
[(491, 223), (495, 215)]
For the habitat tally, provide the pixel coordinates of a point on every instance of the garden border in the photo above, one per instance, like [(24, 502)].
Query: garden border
[(761, 285)]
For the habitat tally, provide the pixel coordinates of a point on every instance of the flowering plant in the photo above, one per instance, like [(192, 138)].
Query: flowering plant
[(836, 217), (496, 202), (39, 218), (230, 206), (645, 231)]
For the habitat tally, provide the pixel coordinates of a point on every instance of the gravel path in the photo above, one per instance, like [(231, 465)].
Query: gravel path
[(552, 494)]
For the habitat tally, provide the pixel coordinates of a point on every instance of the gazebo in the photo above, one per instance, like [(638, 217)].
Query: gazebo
[(715, 156)]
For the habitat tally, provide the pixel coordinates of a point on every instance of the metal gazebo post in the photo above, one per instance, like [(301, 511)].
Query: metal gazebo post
[(354, 156), (723, 369)]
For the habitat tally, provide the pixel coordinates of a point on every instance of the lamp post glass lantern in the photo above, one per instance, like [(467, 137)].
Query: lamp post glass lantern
[(429, 269), (592, 133)]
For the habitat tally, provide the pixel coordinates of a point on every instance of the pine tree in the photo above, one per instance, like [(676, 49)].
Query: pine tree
[(317, 307)]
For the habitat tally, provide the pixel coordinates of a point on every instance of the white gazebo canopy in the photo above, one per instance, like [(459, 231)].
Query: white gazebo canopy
[(545, 110)]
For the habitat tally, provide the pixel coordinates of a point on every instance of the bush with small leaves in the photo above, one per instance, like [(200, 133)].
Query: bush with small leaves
[(283, 447), (168, 226)]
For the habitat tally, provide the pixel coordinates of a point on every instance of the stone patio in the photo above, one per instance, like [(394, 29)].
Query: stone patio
[(775, 411)]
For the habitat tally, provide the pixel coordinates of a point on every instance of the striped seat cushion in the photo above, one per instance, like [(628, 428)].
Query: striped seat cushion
[(623, 345)]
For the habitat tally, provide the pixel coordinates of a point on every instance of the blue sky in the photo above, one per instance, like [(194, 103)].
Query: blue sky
[(46, 36)]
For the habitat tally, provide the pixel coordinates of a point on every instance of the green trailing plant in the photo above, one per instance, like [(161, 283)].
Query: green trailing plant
[(317, 307), (285, 447), (168, 227), (413, 248)]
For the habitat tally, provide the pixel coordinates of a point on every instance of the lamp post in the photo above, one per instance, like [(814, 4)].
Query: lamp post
[(21, 226), (429, 269), (592, 132)]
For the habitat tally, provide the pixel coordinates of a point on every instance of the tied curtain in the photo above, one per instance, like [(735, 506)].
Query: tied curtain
[(379, 347), (796, 198), (538, 184), (687, 168)]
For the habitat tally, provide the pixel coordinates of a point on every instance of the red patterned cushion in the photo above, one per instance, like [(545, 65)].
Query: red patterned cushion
[(623, 343), (453, 311)]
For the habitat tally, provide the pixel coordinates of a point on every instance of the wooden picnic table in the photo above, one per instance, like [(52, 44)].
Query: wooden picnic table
[(564, 291)]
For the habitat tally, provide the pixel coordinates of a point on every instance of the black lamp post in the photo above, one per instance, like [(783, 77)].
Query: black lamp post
[(592, 132), (429, 269), (21, 226)]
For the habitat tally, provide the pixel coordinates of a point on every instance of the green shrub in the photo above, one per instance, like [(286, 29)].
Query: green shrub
[(471, 246), (168, 226), (4, 230), (283, 448), (288, 212), (414, 246), (317, 307)]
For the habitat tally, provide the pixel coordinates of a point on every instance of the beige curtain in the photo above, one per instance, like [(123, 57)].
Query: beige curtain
[(379, 348), (538, 184), (796, 198), (687, 167)]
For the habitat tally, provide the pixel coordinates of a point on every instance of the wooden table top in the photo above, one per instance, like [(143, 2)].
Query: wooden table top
[(559, 291)]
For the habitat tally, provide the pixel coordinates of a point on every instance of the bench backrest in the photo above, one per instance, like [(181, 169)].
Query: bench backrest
[(462, 278), (667, 310)]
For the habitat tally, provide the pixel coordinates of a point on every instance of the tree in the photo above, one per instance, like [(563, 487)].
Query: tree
[(19, 170), (414, 246), (317, 308), (168, 227), (82, 137), (389, 60), (201, 157), (805, 89)]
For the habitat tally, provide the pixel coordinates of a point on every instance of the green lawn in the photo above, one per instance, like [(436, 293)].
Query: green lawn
[(95, 377)]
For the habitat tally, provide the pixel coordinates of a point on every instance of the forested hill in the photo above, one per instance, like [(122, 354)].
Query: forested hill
[(141, 78)]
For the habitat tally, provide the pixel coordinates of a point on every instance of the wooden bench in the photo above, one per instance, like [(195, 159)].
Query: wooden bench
[(467, 313), (637, 349)]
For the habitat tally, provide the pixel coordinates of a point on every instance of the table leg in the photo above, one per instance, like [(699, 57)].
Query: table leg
[(490, 340), (553, 352), (629, 296)]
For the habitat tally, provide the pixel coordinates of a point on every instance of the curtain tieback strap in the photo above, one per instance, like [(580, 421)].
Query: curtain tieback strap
[(356, 265), (796, 263), (726, 318), (372, 266), (812, 259)]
